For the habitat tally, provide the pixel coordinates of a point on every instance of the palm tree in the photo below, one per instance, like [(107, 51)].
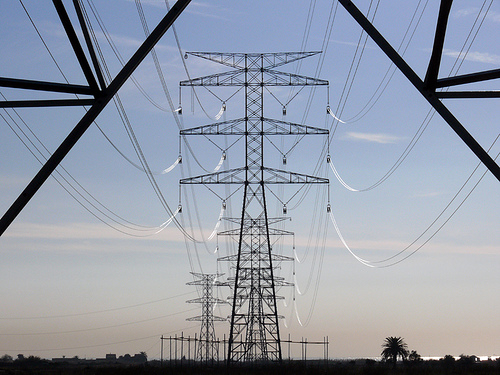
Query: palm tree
[(394, 347)]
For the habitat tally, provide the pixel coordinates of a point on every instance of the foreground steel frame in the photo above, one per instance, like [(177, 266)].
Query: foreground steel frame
[(428, 86), (101, 93)]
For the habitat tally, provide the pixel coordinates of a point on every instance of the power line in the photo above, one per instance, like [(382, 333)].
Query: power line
[(98, 311), (380, 263), (100, 328)]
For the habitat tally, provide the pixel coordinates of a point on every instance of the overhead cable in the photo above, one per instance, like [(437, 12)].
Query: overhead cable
[(100, 328), (95, 312), (380, 263)]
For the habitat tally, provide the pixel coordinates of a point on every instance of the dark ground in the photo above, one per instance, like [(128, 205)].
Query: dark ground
[(368, 367)]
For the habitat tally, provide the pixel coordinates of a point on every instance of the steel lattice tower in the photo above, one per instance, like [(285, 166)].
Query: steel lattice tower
[(254, 331), (208, 349)]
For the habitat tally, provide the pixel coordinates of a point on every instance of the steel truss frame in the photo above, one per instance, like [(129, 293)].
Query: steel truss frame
[(208, 348), (254, 331), (428, 86), (101, 93)]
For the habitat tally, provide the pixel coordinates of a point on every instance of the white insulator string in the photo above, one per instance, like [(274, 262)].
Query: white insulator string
[(221, 214), (337, 229), (222, 158), (296, 256), (166, 223), (73, 190), (297, 312), (330, 112), (344, 184), (170, 169), (295, 282), (380, 263), (221, 112), (397, 163)]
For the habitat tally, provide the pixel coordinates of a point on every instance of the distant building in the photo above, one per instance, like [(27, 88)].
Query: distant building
[(73, 361), (109, 359)]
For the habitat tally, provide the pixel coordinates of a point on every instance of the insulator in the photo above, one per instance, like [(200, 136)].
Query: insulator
[(328, 159), (186, 55), (328, 109), (328, 208), (284, 159), (179, 110), (223, 205), (179, 208), (223, 155), (284, 209), (180, 159), (284, 111), (224, 106)]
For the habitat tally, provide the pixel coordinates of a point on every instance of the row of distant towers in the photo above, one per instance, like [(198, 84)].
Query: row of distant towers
[(254, 323)]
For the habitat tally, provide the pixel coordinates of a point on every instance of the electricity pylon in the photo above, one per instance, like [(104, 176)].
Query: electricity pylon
[(254, 331), (208, 350)]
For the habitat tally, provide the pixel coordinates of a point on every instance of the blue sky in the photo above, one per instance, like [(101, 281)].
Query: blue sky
[(73, 285)]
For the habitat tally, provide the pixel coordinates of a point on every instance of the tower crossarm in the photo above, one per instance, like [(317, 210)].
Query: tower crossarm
[(271, 176), (276, 78), (231, 176), (270, 220), (237, 60), (261, 221), (237, 127), (277, 176), (278, 127), (204, 276), (199, 318), (272, 232), (209, 300), (231, 78), (270, 78), (282, 258), (231, 127)]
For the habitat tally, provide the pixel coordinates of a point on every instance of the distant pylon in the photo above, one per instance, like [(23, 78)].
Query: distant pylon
[(254, 331), (208, 349)]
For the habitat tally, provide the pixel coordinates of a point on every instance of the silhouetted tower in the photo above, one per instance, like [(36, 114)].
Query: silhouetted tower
[(208, 349), (254, 331)]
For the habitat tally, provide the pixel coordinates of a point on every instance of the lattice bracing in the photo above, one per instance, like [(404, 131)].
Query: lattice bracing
[(254, 330), (238, 60), (208, 348), (237, 127), (239, 77)]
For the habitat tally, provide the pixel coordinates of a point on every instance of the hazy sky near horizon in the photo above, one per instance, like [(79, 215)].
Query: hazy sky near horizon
[(83, 270)]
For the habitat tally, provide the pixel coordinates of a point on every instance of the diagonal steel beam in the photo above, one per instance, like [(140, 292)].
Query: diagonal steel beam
[(437, 49), (75, 43), (90, 46), (429, 95), (91, 115)]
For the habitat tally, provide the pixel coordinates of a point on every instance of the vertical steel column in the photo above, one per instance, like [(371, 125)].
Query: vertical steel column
[(254, 333)]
